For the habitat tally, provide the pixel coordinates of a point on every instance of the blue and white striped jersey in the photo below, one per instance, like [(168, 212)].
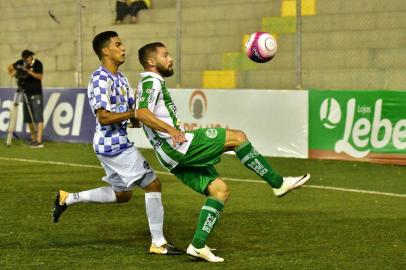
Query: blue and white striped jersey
[(113, 93)]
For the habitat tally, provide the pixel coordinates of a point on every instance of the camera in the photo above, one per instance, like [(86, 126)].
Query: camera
[(21, 73)]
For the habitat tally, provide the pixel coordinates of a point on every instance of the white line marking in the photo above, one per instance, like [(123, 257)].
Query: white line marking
[(224, 178), (358, 191), (51, 162), (324, 187)]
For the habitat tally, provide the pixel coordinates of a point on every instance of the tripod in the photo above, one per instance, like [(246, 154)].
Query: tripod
[(14, 111)]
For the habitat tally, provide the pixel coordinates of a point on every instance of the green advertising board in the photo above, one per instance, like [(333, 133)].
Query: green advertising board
[(358, 125)]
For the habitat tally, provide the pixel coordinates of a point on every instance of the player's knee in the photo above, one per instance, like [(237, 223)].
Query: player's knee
[(240, 136), (124, 196), (235, 137), (223, 195), (219, 190), (243, 137), (154, 186)]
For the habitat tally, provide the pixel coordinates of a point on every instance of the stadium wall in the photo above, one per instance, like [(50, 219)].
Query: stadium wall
[(346, 44), (326, 124)]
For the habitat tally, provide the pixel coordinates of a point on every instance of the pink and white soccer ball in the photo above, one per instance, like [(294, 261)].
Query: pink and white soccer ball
[(261, 47)]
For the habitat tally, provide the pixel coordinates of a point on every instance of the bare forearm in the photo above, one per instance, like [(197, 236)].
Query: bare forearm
[(37, 76), (108, 118), (150, 120)]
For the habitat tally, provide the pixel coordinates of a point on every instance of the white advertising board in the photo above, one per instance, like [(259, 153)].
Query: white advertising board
[(275, 121)]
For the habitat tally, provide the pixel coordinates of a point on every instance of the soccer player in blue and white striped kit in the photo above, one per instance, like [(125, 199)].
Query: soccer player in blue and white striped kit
[(112, 101)]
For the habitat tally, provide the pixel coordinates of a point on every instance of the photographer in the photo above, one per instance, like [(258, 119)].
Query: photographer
[(28, 73)]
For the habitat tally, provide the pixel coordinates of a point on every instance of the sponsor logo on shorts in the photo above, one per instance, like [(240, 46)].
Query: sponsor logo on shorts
[(157, 144), (146, 165), (211, 133)]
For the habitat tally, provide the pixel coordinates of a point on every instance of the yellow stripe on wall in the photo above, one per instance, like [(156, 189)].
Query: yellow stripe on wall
[(222, 79), (288, 8)]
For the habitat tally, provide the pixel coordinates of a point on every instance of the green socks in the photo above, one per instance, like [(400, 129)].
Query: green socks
[(210, 212), (209, 215), (254, 161)]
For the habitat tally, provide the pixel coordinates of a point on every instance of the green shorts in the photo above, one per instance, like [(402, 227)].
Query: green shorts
[(196, 168)]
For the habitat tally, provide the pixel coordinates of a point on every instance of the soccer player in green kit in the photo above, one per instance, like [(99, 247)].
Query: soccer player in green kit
[(191, 156)]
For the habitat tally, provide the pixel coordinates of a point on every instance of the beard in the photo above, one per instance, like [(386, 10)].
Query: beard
[(165, 72)]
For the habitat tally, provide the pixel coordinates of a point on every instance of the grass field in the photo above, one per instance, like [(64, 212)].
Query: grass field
[(315, 227)]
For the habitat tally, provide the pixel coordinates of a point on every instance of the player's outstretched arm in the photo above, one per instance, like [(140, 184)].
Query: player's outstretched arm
[(149, 119), (108, 118), (36, 75)]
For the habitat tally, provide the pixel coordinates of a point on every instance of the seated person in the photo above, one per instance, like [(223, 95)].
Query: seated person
[(135, 7), (129, 7), (122, 10)]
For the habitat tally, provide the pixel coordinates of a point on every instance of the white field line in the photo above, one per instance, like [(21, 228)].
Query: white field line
[(51, 162), (224, 178)]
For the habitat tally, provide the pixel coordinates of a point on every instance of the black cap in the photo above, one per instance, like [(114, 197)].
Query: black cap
[(26, 53)]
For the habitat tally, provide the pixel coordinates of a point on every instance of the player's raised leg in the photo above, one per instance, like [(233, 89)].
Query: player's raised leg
[(237, 141)]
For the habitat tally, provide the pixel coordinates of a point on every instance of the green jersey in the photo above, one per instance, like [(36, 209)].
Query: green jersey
[(153, 95)]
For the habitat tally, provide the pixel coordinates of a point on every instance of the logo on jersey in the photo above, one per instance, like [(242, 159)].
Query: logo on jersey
[(173, 108), (198, 104), (150, 93), (122, 108), (211, 133)]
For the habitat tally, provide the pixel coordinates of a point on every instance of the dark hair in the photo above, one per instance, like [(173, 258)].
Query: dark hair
[(101, 41), (146, 51), (26, 53)]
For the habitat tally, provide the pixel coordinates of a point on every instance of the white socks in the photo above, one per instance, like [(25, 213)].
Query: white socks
[(98, 195), (153, 205), (155, 214)]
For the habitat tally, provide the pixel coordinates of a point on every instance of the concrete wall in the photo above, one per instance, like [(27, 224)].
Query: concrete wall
[(347, 44)]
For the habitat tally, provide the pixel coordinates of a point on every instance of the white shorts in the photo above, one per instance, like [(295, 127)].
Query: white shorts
[(126, 170)]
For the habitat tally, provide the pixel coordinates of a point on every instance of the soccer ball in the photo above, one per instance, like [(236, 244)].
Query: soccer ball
[(261, 47)]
